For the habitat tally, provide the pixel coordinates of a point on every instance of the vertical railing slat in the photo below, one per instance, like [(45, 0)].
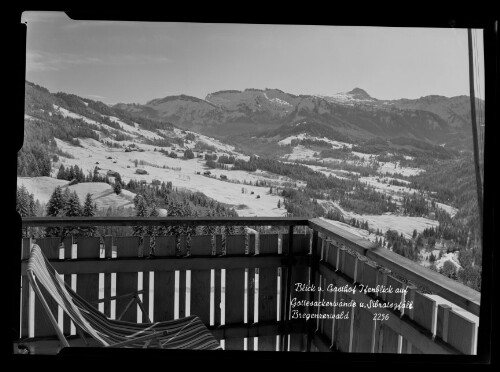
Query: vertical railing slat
[(200, 279), (462, 333), (87, 285), (164, 281), (108, 249), (268, 291), (126, 283), (68, 243), (235, 284)]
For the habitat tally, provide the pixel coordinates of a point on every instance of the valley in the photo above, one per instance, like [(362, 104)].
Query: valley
[(311, 156)]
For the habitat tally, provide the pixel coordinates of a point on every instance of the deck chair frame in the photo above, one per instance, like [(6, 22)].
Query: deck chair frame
[(148, 339)]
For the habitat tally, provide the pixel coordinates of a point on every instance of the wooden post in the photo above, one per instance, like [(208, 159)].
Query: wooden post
[(442, 321), (288, 288), (312, 280)]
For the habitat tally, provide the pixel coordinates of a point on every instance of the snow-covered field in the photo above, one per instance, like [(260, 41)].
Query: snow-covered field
[(246, 204), (70, 114), (134, 129), (393, 168), (386, 188), (102, 193), (300, 153), (448, 208), (301, 136), (41, 187), (388, 221), (325, 170)]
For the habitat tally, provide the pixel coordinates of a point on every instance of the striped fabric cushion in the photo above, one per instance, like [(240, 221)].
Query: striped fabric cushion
[(186, 333)]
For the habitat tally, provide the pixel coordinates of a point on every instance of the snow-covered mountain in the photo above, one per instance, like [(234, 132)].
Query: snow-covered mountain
[(433, 118)]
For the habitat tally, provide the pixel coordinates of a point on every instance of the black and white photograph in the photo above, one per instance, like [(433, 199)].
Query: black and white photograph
[(251, 187)]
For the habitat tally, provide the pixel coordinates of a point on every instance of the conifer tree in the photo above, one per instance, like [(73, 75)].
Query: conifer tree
[(71, 173), (141, 210), (117, 188), (55, 208), (88, 210), (73, 209), (22, 205), (33, 209), (61, 174)]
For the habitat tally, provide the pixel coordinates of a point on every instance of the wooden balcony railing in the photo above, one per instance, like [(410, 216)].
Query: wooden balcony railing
[(241, 286)]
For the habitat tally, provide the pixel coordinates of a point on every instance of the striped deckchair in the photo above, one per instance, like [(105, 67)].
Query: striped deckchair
[(186, 333)]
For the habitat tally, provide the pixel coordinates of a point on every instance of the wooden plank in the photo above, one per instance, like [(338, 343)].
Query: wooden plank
[(251, 244), (87, 285), (145, 282), (297, 342), (108, 249), (182, 240), (363, 341), (88, 247), (370, 275), (126, 282), (424, 312), (395, 284), (168, 264), (268, 243), (442, 321), (327, 325), (462, 333), (218, 244), (145, 297), (301, 244), (332, 253), (343, 330), (235, 285), (200, 294), (67, 242), (165, 246), (267, 306), (50, 247), (390, 339), (217, 297), (164, 221), (319, 247), (200, 279), (250, 302), (164, 289), (350, 263), (127, 246), (182, 293), (235, 244)]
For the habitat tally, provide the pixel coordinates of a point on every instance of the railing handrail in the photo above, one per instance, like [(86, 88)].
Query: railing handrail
[(449, 289), (168, 221)]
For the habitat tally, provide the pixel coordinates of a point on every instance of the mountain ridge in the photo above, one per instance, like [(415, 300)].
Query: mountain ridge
[(433, 118)]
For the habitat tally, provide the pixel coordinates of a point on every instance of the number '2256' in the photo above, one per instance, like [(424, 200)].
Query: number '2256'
[(378, 316)]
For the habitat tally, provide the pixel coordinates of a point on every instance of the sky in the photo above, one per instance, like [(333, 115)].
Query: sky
[(134, 62)]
